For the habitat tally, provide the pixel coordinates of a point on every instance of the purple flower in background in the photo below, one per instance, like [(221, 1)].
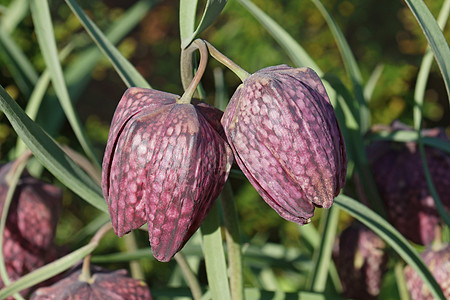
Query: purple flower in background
[(286, 140), (360, 261), (399, 176), (104, 285), (165, 164)]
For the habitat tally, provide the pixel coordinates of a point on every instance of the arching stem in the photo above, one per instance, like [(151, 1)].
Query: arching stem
[(236, 69), (186, 58)]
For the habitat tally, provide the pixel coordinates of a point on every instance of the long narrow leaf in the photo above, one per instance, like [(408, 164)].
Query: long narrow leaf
[(47, 271), (44, 32), (435, 37), (18, 63), (216, 268), (78, 71), (212, 10), (322, 257), (391, 236), (17, 10), (351, 67), (419, 94), (188, 9), (296, 53), (371, 83), (50, 154), (128, 73)]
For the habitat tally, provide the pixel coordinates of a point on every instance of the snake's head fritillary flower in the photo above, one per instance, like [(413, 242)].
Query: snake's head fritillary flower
[(286, 140), (360, 261), (31, 223), (103, 285), (400, 178), (165, 164), (437, 259)]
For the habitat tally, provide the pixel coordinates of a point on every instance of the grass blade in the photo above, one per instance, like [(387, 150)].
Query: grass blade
[(17, 10), (392, 237), (212, 10), (188, 8), (372, 82), (350, 65), (44, 32), (322, 254), (293, 49), (216, 268), (50, 154), (19, 65), (128, 73), (47, 271), (435, 37)]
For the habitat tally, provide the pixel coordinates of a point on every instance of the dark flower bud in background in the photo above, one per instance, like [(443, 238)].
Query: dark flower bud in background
[(438, 261), (400, 179), (286, 140), (103, 285), (30, 225), (360, 261), (165, 164)]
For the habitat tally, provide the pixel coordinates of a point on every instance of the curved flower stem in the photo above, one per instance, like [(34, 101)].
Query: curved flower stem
[(135, 266), (12, 179), (186, 57), (86, 269), (189, 276), (235, 68), (233, 243)]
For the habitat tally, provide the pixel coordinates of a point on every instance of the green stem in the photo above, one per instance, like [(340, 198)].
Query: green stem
[(86, 269), (235, 68), (401, 283), (189, 276), (135, 266), (12, 179), (233, 243), (186, 57)]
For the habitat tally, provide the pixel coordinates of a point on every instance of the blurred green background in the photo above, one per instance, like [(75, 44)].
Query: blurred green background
[(380, 33)]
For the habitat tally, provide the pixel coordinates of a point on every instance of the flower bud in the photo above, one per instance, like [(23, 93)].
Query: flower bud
[(165, 164), (360, 261), (103, 284), (31, 223), (286, 140), (438, 261), (400, 179)]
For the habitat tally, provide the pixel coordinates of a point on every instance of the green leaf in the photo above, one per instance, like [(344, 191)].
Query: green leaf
[(435, 37), (47, 271), (392, 237), (19, 65), (130, 76), (372, 82), (212, 10), (296, 52), (44, 32), (216, 267), (50, 154), (350, 65), (17, 10), (322, 255), (188, 9)]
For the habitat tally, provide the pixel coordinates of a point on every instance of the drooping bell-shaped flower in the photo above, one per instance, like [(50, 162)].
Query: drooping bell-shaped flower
[(437, 258), (360, 261), (31, 224), (104, 285), (165, 164), (286, 140), (400, 178)]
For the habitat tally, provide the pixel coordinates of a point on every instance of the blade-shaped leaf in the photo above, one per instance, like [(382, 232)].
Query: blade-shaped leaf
[(392, 237), (188, 9), (435, 37), (296, 52), (350, 65), (130, 76), (17, 10), (50, 154), (44, 32), (212, 10)]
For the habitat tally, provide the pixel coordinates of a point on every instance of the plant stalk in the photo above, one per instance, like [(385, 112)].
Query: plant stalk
[(233, 241), (187, 69), (189, 276)]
